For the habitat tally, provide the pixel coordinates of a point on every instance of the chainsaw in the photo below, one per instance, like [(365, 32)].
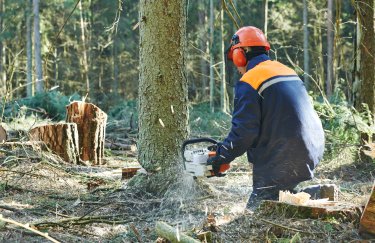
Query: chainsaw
[(195, 160)]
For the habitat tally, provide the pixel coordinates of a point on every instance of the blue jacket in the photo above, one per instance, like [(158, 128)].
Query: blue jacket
[(275, 123)]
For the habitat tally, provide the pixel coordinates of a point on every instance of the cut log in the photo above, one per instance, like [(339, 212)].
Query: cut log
[(172, 234), (91, 122), (62, 139), (120, 146), (128, 173), (343, 211), (367, 223), (3, 135)]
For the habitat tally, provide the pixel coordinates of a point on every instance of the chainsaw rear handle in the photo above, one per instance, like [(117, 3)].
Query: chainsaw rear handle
[(196, 140)]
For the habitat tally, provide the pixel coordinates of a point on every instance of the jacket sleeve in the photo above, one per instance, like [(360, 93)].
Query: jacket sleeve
[(246, 121)]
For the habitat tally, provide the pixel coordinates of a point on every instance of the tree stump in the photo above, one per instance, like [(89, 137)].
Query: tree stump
[(345, 212), (62, 139), (367, 223), (91, 122), (3, 135)]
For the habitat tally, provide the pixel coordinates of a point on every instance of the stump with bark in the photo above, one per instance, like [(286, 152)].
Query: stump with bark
[(91, 122), (61, 138), (367, 223)]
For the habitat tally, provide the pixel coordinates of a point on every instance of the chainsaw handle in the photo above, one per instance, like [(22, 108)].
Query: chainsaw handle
[(196, 140)]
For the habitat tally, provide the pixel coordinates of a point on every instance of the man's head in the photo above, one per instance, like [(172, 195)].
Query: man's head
[(247, 43)]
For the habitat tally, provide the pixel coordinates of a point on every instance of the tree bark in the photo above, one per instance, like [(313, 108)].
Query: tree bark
[(91, 123), (62, 139), (367, 223), (39, 85), (365, 12), (265, 3), (163, 113), (29, 50)]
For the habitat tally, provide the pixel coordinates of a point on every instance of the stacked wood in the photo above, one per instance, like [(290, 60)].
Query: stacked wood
[(3, 135), (91, 122), (61, 138), (346, 212), (367, 223)]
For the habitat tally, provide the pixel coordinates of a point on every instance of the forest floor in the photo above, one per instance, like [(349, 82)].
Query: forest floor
[(75, 203)]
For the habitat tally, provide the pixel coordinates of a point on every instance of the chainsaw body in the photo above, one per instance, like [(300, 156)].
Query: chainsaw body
[(195, 159)]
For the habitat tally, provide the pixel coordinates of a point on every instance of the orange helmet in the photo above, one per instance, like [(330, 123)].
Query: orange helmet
[(246, 36)]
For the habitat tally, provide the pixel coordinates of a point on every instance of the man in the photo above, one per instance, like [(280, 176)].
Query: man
[(273, 120)]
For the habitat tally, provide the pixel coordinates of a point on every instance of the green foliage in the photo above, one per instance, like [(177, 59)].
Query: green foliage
[(48, 105), (343, 126), (205, 123)]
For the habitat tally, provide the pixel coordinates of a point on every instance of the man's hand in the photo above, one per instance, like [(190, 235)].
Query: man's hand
[(216, 164)]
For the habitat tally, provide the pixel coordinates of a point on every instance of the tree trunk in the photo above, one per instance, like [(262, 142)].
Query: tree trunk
[(39, 85), (2, 54), (163, 113), (265, 2), (306, 57), (91, 122), (365, 12), (115, 85), (212, 80), (62, 139), (29, 50), (223, 89), (329, 49), (203, 47), (84, 51)]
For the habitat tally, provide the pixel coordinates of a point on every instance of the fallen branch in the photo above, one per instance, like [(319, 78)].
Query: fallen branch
[(26, 226), (16, 210), (168, 232)]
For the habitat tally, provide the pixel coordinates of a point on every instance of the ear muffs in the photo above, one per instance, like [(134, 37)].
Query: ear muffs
[(239, 57)]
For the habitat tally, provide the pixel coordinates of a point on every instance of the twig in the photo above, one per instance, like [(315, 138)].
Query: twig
[(26, 226), (288, 228), (136, 233), (10, 208)]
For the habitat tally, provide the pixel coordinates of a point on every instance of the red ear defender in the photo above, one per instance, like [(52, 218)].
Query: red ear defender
[(239, 57)]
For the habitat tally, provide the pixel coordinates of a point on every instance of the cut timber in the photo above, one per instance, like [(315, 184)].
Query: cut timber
[(345, 212), (61, 138), (367, 223), (3, 135), (91, 122), (172, 234)]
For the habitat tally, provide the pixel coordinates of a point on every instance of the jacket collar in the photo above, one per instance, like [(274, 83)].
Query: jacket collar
[(256, 60)]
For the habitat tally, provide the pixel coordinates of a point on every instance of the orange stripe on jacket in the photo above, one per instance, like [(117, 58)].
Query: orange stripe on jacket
[(264, 71)]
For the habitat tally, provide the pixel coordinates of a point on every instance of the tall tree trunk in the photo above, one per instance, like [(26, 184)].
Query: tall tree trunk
[(115, 66), (223, 89), (212, 80), (265, 2), (365, 12), (203, 47), (29, 51), (330, 32), (84, 50), (306, 57), (163, 113), (2, 53), (39, 85)]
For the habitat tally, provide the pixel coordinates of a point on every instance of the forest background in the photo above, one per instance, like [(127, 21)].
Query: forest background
[(55, 51)]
